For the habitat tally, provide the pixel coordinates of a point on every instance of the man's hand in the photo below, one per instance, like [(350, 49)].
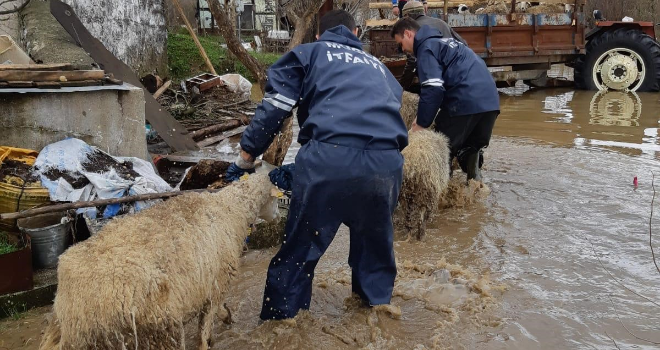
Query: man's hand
[(244, 164), (395, 11), (416, 127), (282, 177)]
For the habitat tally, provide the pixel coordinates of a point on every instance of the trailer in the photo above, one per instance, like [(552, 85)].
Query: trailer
[(523, 46)]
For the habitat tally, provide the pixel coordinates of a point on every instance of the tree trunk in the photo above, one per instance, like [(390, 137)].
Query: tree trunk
[(277, 151), (228, 31), (302, 25)]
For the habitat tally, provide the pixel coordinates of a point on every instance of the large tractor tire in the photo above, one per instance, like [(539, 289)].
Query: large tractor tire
[(623, 59)]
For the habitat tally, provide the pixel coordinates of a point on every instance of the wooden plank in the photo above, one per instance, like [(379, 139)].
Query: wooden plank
[(20, 84), (380, 22), (95, 203), (162, 89), (60, 75), (41, 67), (230, 124), (113, 81), (215, 139), (48, 85), (167, 127), (82, 83)]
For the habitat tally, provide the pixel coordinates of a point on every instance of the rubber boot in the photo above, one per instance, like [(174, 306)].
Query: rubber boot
[(472, 166)]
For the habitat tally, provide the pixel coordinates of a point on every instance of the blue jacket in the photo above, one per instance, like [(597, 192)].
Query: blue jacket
[(344, 96), (453, 78)]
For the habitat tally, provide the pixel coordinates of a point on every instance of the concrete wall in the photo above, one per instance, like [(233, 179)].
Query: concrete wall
[(133, 30), (111, 120), (9, 23)]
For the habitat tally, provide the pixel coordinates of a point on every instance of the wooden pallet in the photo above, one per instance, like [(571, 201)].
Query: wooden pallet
[(51, 76)]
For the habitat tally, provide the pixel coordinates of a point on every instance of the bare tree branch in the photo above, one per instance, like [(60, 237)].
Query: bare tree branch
[(223, 17), (617, 281), (651, 223), (616, 313), (15, 9), (613, 341)]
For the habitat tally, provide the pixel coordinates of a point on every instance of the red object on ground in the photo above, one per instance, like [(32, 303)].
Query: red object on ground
[(635, 181)]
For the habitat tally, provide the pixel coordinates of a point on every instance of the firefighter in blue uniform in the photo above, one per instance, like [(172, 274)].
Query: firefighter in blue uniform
[(348, 170), (457, 92)]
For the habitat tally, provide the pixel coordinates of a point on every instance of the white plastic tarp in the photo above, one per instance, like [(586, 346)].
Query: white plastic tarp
[(69, 156)]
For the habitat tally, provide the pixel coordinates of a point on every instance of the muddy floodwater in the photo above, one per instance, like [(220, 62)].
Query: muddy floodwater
[(557, 256)]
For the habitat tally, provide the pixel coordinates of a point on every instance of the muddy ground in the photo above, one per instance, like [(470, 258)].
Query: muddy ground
[(541, 263)]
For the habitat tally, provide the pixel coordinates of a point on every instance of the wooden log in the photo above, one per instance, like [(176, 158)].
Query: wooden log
[(59, 76), (431, 4), (201, 133), (20, 84), (96, 203), (151, 82), (194, 36), (162, 89), (41, 67), (48, 85), (113, 81), (215, 139)]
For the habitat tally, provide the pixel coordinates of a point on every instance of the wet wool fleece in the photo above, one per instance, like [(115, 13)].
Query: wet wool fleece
[(143, 276), (425, 180), (409, 108)]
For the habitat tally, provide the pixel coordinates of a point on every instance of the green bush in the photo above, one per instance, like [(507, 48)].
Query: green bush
[(185, 60), (6, 246)]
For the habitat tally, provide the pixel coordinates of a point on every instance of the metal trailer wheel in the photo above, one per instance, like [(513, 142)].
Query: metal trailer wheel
[(619, 69), (623, 59)]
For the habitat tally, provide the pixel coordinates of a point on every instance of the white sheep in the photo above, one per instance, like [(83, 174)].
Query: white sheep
[(142, 277), (425, 179), (522, 6), (463, 9)]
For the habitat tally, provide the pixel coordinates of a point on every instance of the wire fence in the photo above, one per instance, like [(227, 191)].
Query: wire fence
[(9, 17)]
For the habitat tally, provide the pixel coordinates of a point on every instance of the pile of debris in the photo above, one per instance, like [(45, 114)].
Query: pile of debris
[(212, 111)]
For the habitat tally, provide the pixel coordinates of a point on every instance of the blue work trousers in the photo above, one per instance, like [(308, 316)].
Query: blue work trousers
[(334, 185)]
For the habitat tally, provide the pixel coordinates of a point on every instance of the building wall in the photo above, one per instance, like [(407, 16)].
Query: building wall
[(133, 30), (114, 121), (173, 17)]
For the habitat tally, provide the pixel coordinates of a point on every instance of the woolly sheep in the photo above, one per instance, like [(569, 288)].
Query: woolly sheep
[(425, 179), (142, 277), (409, 108), (463, 9)]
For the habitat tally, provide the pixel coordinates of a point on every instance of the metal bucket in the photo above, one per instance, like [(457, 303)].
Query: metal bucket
[(50, 237)]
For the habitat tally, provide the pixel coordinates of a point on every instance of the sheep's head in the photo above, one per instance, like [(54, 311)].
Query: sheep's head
[(270, 210), (523, 6), (463, 9)]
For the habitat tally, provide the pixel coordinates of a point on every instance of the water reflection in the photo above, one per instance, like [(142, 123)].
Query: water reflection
[(606, 120)]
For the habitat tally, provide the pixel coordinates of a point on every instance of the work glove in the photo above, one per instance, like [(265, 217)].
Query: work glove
[(238, 169), (282, 177)]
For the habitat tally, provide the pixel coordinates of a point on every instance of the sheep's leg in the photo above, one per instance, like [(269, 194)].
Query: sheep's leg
[(182, 335), (410, 221), (206, 318), (226, 315)]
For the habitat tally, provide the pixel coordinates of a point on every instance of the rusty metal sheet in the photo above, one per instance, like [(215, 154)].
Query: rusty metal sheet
[(482, 20)]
